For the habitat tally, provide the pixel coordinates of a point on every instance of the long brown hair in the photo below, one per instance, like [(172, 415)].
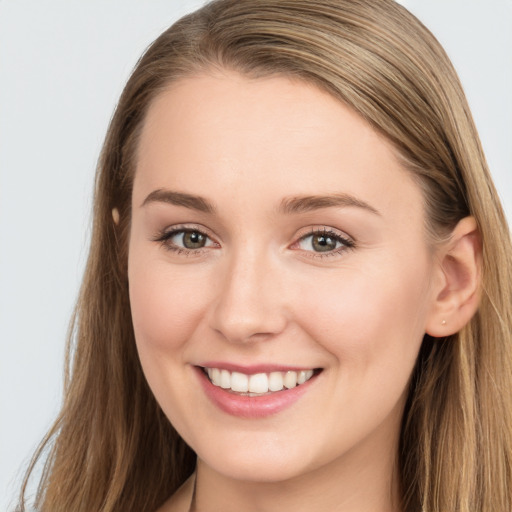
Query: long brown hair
[(111, 448)]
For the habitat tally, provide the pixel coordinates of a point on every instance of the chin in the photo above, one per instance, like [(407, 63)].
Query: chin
[(257, 470), (258, 460)]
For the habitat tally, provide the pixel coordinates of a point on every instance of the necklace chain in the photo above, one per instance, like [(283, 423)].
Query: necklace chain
[(192, 505)]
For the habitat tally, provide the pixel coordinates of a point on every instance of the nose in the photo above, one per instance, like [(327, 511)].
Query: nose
[(250, 304)]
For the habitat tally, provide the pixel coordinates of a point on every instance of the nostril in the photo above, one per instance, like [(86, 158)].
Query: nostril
[(248, 307), (250, 328)]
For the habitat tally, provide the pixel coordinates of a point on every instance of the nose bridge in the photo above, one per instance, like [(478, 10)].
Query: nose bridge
[(249, 304)]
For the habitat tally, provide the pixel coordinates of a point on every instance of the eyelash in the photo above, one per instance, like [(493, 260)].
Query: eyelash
[(165, 236)]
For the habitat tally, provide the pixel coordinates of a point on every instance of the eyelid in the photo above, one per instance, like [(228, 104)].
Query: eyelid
[(186, 227), (322, 228)]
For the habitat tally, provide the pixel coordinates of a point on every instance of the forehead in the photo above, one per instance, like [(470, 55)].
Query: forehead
[(211, 134)]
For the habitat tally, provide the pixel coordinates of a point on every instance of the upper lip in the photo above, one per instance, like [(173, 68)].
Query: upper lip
[(255, 368)]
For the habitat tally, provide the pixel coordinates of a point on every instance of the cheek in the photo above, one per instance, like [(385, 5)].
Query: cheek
[(372, 324), (166, 306), (372, 316)]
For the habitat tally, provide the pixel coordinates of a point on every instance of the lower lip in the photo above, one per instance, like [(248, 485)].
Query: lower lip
[(252, 406)]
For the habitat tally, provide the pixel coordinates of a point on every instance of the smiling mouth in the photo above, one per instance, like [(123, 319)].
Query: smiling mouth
[(258, 384)]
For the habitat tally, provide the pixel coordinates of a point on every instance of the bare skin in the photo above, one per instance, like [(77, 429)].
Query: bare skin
[(346, 284), (181, 500)]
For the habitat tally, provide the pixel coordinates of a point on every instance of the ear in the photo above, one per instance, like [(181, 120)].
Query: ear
[(115, 216), (457, 291)]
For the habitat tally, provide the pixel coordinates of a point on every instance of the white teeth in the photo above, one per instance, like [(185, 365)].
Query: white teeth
[(290, 379), (239, 382), (258, 383), (225, 379), (215, 375), (275, 381)]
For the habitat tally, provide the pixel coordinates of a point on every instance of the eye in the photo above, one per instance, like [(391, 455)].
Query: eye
[(185, 239), (324, 242), (189, 239)]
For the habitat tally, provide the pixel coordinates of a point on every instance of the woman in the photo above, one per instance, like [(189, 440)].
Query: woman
[(299, 286)]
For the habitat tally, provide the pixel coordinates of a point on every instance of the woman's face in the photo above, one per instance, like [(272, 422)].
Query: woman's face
[(277, 245)]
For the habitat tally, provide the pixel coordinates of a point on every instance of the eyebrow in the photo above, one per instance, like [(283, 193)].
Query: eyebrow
[(290, 205), (179, 199), (303, 204)]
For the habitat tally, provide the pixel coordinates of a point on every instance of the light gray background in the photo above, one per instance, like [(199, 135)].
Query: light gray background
[(62, 67)]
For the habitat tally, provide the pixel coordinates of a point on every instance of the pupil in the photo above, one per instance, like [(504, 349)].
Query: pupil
[(322, 243), (193, 240)]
